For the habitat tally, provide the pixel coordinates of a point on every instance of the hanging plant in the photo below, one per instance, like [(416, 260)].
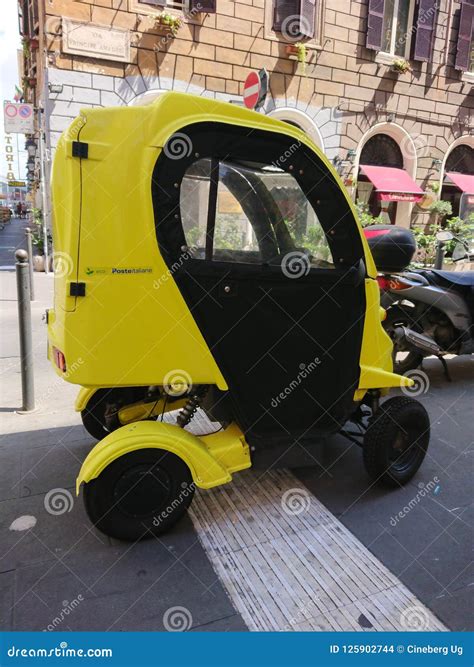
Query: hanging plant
[(26, 48), (401, 66), (170, 22), (300, 51)]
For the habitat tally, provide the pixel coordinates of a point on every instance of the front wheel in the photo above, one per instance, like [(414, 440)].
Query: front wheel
[(139, 495), (396, 441)]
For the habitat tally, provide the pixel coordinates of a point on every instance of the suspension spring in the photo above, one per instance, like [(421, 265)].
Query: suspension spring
[(187, 413)]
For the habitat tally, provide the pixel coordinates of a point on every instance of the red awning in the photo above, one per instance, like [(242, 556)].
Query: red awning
[(392, 184), (465, 182)]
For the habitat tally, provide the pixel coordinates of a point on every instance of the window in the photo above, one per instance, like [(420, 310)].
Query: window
[(398, 16), (465, 47), (191, 7), (294, 21), (394, 25), (249, 213)]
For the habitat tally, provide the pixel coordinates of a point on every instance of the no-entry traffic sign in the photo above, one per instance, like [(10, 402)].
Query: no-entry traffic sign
[(255, 89), (19, 118)]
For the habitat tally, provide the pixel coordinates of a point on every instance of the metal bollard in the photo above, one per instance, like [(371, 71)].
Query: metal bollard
[(24, 322), (438, 263), (29, 249)]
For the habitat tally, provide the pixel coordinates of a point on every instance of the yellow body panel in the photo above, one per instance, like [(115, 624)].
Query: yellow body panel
[(133, 326), (83, 398), (211, 459)]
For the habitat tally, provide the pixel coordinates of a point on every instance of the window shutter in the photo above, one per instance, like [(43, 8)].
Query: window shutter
[(466, 26), (283, 10), (375, 24), (294, 17), (307, 17), (425, 26), (199, 6)]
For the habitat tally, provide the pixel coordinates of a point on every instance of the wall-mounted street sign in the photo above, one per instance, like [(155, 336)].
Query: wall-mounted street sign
[(18, 118), (99, 41), (255, 89)]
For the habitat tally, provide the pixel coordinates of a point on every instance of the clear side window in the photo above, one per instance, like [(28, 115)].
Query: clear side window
[(249, 213)]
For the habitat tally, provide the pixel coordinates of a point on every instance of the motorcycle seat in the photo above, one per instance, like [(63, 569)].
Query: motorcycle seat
[(449, 278)]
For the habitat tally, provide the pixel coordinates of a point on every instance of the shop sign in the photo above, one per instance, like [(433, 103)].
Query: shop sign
[(9, 157), (16, 184), (400, 196)]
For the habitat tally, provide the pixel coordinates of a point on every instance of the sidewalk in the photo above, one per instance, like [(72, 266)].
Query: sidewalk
[(61, 568)]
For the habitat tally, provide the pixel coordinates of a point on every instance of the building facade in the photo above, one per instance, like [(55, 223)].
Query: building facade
[(375, 83)]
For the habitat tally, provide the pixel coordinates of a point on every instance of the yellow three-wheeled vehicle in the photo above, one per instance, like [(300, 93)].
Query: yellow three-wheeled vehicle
[(214, 261)]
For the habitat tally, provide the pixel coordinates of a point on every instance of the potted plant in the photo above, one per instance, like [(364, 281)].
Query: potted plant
[(37, 238), (26, 48), (169, 22), (401, 66), (298, 51), (440, 209)]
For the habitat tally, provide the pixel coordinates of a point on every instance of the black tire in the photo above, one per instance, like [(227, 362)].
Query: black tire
[(139, 495), (94, 414), (396, 441), (402, 317)]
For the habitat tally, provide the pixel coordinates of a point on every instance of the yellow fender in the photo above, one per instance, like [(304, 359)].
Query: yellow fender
[(211, 458), (83, 398)]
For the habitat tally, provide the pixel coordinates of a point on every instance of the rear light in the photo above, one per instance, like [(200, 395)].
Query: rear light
[(392, 284), (59, 359), (384, 283)]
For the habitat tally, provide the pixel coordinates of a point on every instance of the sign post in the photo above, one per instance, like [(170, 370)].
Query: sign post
[(18, 118)]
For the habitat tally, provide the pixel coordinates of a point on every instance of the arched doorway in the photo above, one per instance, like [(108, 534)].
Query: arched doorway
[(457, 185), (379, 151), (300, 120), (386, 147)]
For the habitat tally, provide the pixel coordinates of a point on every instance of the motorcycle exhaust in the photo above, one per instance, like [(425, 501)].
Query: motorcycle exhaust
[(417, 341)]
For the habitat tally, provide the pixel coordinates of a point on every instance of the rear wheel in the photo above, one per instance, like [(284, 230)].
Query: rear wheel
[(396, 441), (100, 416), (139, 495), (404, 359)]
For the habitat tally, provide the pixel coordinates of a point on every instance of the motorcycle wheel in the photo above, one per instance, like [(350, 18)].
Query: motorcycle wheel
[(403, 359), (396, 441)]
